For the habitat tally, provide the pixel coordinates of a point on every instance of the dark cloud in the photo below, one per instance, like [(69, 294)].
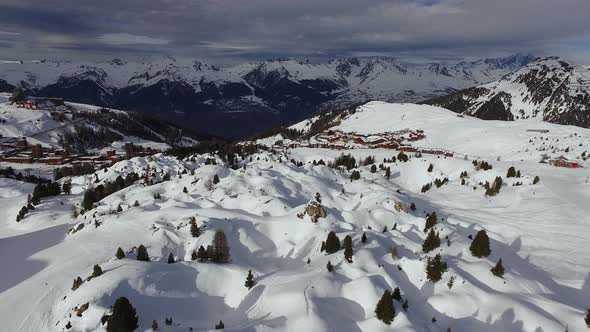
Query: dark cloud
[(299, 28)]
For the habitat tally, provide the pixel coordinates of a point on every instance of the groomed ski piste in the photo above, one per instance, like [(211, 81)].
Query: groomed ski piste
[(538, 230)]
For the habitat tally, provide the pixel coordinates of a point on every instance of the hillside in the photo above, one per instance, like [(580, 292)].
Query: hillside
[(548, 89), (81, 128), (246, 98), (261, 203)]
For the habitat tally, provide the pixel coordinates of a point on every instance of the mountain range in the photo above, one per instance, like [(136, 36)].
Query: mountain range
[(548, 89), (242, 99)]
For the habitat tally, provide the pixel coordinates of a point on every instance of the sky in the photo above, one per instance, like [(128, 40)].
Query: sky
[(226, 31)]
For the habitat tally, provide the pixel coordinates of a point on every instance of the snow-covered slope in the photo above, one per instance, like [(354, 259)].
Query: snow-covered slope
[(548, 89), (81, 127), (539, 230)]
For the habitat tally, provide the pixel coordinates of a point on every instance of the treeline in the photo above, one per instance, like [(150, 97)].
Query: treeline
[(94, 195)]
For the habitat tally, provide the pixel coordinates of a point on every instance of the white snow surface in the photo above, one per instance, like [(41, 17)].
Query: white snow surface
[(540, 231)]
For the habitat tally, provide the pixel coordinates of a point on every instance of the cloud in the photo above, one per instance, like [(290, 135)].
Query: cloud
[(129, 39), (302, 28)]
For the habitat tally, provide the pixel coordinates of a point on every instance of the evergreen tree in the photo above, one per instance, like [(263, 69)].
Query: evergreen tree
[(397, 294), (124, 317), (511, 172), (120, 253), (587, 318), (142, 254), (431, 220), (216, 179), (480, 247), (373, 168), (388, 173), (385, 310), (136, 204), (219, 248), (431, 242), (364, 238), (66, 187), (405, 305), (413, 206), (348, 248), (97, 271), (329, 267), (355, 175), (435, 268), (536, 179), (219, 326), (430, 167), (195, 230), (171, 259), (332, 243), (394, 227), (250, 280), (119, 208), (384, 229), (184, 190), (498, 270), (77, 283), (202, 254), (154, 325)]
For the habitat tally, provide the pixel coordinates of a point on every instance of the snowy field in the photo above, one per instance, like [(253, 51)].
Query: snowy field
[(538, 230)]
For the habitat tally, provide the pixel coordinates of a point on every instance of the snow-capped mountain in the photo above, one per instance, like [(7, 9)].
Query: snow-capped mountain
[(149, 229), (548, 89), (248, 97)]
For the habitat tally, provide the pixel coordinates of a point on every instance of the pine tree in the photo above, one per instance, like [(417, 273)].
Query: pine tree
[(119, 208), (385, 310), (405, 305), (142, 254), (384, 229), (480, 247), (215, 179), (184, 190), (388, 173), (136, 204), (332, 243), (329, 267), (397, 294), (97, 271), (431, 242), (195, 230), (250, 280), (430, 221), (511, 172), (154, 325), (171, 259), (430, 167), (373, 168), (194, 256), (394, 227), (451, 282), (202, 254), (435, 268), (77, 283), (120, 253), (123, 318), (220, 248), (587, 318), (413, 206), (219, 326), (364, 238), (348, 248), (536, 179), (498, 270)]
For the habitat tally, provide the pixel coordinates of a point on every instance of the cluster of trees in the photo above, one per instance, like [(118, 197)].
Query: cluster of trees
[(11, 174), (217, 251), (332, 245), (482, 165), (93, 195), (494, 188), (355, 175), (41, 190), (346, 160), (512, 173)]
